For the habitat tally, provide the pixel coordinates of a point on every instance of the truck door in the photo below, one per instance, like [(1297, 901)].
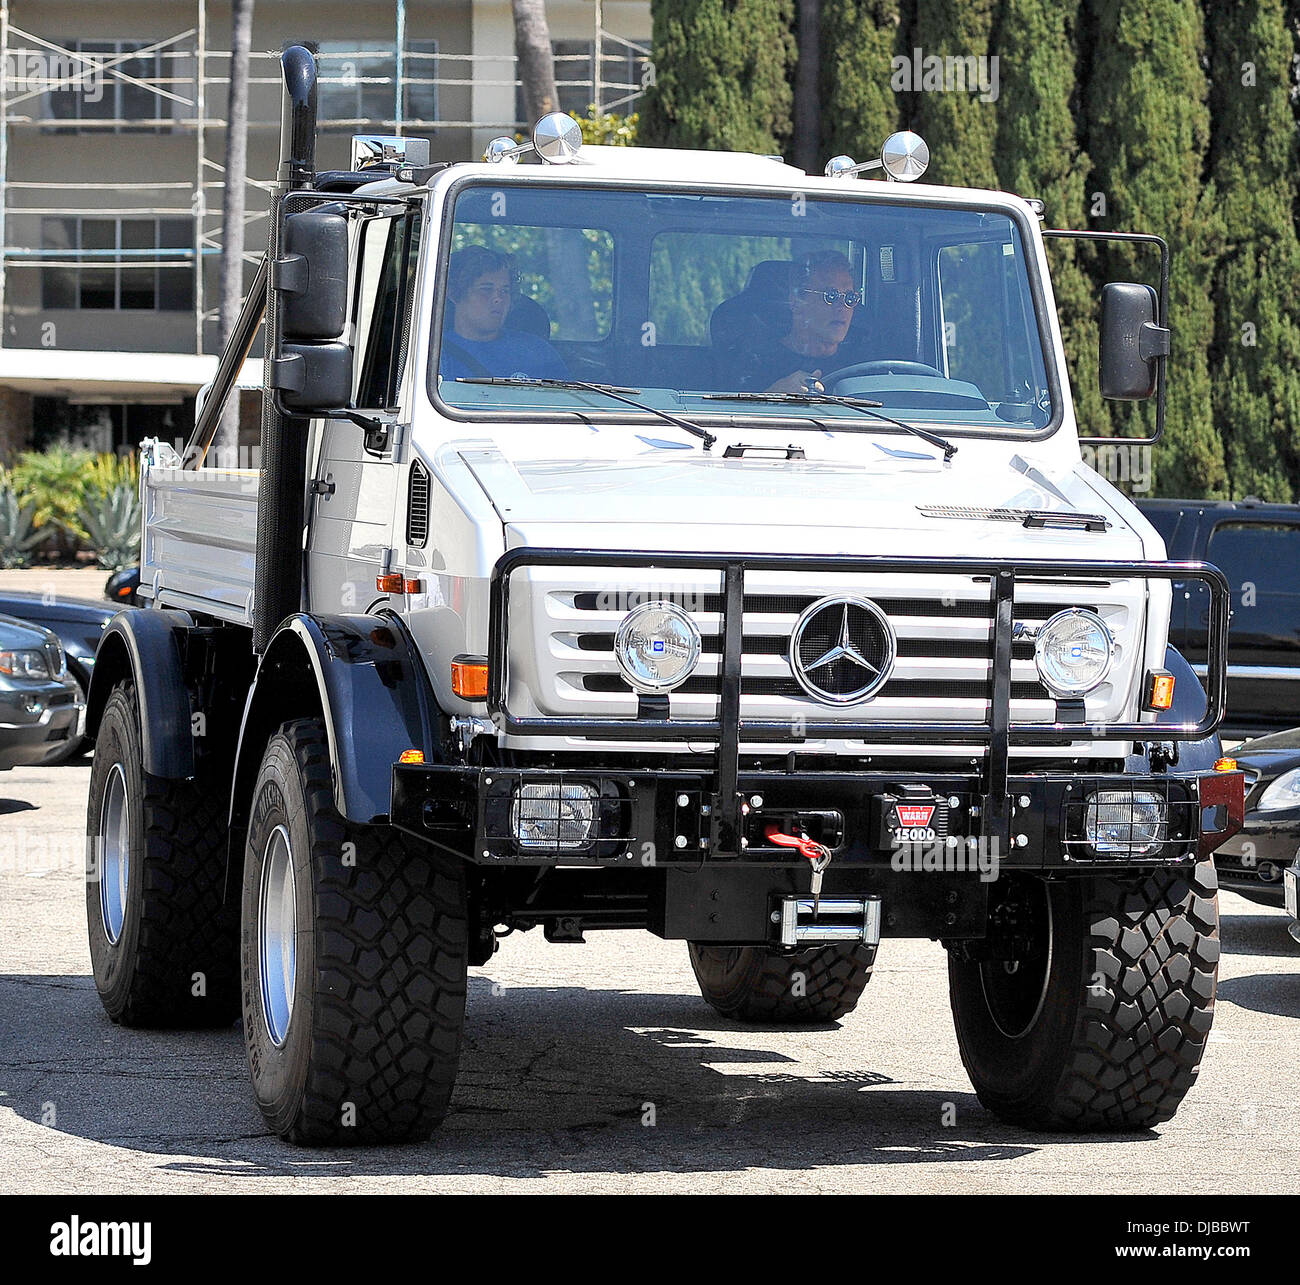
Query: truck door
[(354, 474)]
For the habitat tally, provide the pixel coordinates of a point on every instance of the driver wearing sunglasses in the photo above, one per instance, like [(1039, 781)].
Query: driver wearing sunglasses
[(823, 299)]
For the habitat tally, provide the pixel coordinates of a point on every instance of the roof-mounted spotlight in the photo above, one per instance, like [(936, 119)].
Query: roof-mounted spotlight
[(557, 139), (904, 158)]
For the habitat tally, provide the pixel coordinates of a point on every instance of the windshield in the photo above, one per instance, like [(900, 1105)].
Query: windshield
[(925, 311)]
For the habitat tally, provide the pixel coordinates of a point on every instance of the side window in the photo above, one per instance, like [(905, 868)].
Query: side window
[(385, 279), (970, 289), (988, 338), (691, 273), (1260, 559)]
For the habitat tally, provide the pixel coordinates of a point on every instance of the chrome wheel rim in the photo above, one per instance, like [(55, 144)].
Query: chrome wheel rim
[(277, 927), (114, 854)]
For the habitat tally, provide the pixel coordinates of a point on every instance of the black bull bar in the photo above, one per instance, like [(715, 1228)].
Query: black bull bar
[(727, 729)]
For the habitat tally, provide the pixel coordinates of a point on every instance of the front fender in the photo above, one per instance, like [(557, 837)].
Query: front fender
[(363, 675)]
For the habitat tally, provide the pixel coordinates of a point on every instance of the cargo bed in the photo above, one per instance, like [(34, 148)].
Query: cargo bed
[(200, 535)]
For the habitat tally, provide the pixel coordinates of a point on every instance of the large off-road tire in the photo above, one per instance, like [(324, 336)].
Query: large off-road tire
[(753, 984), (164, 944), (1103, 1026), (354, 956)]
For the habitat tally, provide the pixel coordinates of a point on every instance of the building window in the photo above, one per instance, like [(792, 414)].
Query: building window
[(86, 93), (357, 79), (621, 69), (117, 264)]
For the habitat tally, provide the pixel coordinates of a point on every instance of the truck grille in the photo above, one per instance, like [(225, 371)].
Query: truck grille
[(942, 668)]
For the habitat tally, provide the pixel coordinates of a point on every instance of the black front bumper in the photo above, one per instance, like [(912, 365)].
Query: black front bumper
[(669, 818), (658, 830)]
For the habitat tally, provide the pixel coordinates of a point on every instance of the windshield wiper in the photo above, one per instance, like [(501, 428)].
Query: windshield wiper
[(616, 391), (859, 404)]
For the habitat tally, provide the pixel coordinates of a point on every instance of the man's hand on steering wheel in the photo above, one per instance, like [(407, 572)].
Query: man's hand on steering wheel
[(801, 381)]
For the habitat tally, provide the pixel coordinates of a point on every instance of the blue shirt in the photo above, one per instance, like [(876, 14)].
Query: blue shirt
[(512, 354)]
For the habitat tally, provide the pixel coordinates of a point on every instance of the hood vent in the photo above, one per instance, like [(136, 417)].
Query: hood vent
[(1069, 521)]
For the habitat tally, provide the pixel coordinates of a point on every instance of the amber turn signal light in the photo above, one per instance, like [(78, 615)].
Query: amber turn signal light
[(389, 582), (1160, 690), (1225, 765), (469, 677), (411, 756)]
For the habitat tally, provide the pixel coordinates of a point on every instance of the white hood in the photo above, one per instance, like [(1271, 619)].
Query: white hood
[(706, 503)]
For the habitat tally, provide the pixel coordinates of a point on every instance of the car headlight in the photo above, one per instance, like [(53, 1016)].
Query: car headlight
[(657, 646), (1282, 793), (1125, 823), (24, 664), (1073, 652)]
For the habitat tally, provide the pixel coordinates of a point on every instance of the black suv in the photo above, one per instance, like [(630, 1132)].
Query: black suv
[(1257, 546)]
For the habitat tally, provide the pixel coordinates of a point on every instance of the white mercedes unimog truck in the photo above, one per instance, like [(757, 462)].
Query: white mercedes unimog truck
[(666, 541)]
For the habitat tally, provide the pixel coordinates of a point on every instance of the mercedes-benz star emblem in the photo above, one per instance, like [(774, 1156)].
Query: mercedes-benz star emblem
[(842, 649)]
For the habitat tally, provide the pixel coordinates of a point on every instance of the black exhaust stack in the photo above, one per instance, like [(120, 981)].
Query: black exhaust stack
[(277, 580)]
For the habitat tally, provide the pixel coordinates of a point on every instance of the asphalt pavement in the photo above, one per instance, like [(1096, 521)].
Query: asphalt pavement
[(598, 1068)]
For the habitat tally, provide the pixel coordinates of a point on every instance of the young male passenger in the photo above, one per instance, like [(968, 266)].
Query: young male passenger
[(477, 340)]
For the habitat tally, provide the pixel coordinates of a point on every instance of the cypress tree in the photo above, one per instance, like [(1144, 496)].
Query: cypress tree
[(1037, 153), (860, 108), (1255, 359), (723, 72), (1149, 124), (956, 119)]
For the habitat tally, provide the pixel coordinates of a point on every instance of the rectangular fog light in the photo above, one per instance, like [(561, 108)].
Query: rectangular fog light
[(1125, 823), (553, 816)]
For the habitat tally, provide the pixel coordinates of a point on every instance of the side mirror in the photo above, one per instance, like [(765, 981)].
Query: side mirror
[(315, 377), (313, 369), (1132, 342), (311, 275)]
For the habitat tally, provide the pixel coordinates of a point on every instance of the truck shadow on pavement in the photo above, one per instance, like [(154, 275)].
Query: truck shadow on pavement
[(1259, 930), (553, 1080), (1277, 994)]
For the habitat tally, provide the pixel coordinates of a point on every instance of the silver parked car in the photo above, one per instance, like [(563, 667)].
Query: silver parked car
[(41, 705)]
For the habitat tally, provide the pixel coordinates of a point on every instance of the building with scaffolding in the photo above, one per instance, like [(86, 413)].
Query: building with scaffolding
[(112, 141)]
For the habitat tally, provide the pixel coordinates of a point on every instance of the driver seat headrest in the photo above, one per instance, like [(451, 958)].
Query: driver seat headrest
[(760, 311)]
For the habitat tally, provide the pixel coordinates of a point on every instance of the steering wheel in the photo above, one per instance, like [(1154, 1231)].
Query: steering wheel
[(891, 366)]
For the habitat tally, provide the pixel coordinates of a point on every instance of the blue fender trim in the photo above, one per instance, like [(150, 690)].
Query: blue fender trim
[(147, 647), (1188, 707), (372, 691)]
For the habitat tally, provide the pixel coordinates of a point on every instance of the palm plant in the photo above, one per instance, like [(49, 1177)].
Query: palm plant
[(53, 483)]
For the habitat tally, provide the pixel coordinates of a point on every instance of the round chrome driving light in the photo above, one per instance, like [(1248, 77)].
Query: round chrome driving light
[(657, 646), (1073, 652)]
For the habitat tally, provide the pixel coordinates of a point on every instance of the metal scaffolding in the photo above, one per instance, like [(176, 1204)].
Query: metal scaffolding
[(188, 91)]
